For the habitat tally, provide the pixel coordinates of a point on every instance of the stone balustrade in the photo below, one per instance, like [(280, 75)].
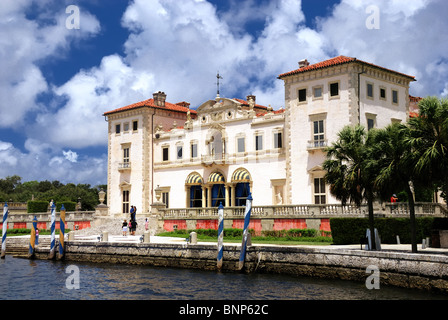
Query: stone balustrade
[(306, 211)]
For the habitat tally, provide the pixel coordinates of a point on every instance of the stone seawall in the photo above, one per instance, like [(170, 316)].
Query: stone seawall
[(426, 271), (419, 271)]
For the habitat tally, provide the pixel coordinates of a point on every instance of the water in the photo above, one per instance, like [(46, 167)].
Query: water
[(23, 279)]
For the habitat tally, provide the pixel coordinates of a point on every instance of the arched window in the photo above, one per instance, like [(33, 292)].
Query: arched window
[(218, 189), (194, 181), (241, 178)]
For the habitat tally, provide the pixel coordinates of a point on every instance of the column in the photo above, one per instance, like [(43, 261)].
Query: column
[(204, 196), (209, 196)]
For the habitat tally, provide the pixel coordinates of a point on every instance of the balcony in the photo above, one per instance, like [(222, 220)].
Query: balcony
[(124, 166), (314, 145), (210, 159)]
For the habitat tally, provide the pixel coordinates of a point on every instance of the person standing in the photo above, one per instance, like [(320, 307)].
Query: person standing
[(393, 201), (134, 227), (124, 227)]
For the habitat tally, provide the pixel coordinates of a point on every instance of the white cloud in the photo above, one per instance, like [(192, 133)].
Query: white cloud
[(89, 94), (43, 162), (411, 37), (24, 43), (70, 155), (177, 47)]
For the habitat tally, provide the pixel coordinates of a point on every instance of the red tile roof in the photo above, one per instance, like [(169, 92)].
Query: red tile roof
[(180, 107), (414, 99), (244, 102), (334, 62), (273, 111)]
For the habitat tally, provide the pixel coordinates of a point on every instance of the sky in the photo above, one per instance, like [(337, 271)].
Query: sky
[(65, 62)]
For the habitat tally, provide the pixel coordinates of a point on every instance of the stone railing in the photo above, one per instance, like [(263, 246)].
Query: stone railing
[(304, 211), (46, 216)]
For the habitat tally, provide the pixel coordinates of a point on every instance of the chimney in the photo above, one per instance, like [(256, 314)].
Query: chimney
[(159, 98), (303, 63)]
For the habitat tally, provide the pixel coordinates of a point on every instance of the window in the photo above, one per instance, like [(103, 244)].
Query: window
[(135, 125), (370, 124), (125, 201), (318, 133), (382, 93), (319, 191), (258, 142), (334, 89), (278, 142), (165, 151), (194, 150), (179, 152), (126, 155), (302, 95), (117, 128), (317, 92), (126, 127), (218, 195), (166, 199), (370, 90), (241, 144), (195, 197), (395, 96)]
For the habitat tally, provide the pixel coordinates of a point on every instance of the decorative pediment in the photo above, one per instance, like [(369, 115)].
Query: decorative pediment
[(124, 185), (316, 169), (221, 104)]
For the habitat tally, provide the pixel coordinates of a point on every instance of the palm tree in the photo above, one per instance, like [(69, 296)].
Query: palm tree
[(350, 171), (429, 139), (396, 163)]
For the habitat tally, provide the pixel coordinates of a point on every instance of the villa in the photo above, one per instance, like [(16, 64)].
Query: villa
[(228, 147)]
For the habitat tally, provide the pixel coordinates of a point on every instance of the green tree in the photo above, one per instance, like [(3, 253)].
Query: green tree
[(396, 163), (9, 184), (429, 140), (350, 171)]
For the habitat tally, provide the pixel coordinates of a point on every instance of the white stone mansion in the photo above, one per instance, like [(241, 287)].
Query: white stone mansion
[(226, 148)]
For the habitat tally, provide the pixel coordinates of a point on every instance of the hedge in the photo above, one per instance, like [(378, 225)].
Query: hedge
[(37, 206), (290, 234), (350, 230)]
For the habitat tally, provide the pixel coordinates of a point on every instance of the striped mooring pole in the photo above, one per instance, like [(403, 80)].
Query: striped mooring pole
[(4, 230), (31, 252), (61, 233), (220, 234), (245, 231), (52, 227)]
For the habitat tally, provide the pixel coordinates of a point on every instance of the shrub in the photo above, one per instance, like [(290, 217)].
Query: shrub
[(68, 205), (36, 206)]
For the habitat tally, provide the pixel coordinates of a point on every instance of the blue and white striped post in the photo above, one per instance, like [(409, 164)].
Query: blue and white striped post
[(33, 239), (52, 227), (4, 230), (245, 231), (220, 234), (61, 232)]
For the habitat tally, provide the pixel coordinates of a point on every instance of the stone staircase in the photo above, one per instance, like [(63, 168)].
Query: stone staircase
[(112, 226)]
